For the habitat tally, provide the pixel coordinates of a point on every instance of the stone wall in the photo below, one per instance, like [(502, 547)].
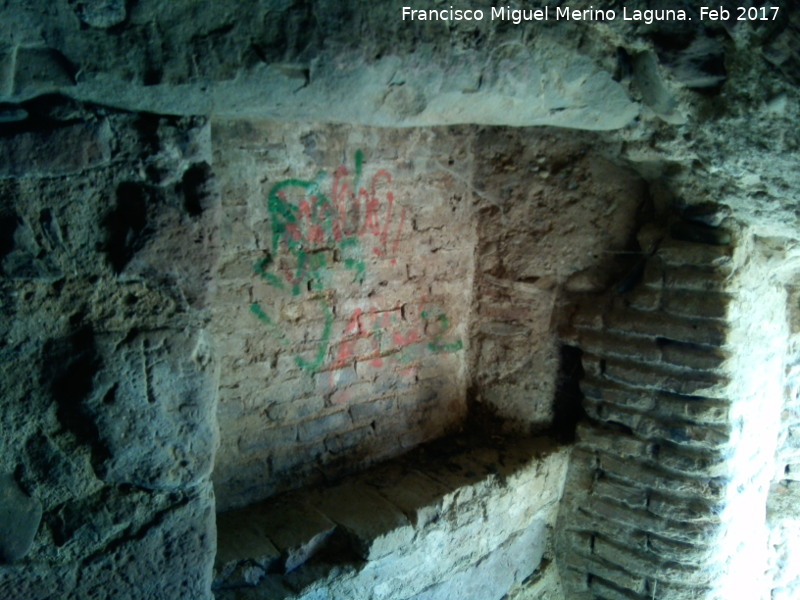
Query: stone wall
[(108, 241), (108, 408), (668, 483), (554, 214), (783, 514)]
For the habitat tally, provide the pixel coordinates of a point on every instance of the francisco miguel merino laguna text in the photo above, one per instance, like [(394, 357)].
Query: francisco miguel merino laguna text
[(564, 13)]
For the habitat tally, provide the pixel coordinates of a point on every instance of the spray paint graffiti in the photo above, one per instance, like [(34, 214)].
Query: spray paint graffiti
[(387, 333), (314, 234), (306, 222)]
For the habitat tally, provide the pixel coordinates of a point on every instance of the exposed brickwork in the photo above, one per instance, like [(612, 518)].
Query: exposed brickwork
[(342, 299), (356, 307), (643, 513)]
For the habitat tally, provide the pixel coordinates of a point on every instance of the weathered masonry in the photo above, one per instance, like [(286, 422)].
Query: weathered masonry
[(301, 301), (682, 393)]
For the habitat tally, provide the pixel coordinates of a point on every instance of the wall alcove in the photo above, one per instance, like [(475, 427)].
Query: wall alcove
[(379, 289), (296, 295)]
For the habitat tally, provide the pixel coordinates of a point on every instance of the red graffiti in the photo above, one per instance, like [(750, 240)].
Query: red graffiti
[(378, 213), (319, 220)]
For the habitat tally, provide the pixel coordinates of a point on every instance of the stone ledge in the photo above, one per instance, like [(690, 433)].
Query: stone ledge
[(444, 509)]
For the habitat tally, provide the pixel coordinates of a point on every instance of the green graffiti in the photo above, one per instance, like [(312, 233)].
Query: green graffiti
[(262, 316), (437, 346), (322, 347), (440, 348), (359, 164), (307, 224), (270, 278), (313, 230), (256, 309)]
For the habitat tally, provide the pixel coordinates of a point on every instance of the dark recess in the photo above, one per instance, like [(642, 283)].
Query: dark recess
[(8, 226), (567, 409), (125, 225), (195, 185)]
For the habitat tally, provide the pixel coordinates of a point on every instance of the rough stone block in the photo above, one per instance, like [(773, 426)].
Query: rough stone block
[(603, 390), (702, 438), (619, 345), (646, 376), (420, 498), (544, 584), (294, 410), (660, 427), (590, 525), (491, 578), (701, 534), (636, 473), (646, 564), (612, 440), (702, 280), (692, 356), (683, 553), (40, 71), (169, 559), (379, 409), (256, 437), (154, 406), (628, 496), (677, 253), (20, 516), (694, 410), (102, 13), (695, 463), (586, 564), (658, 325), (605, 590), (705, 305), (70, 149), (26, 582), (361, 437), (463, 476), (296, 529), (376, 527), (640, 298), (678, 508), (242, 540)]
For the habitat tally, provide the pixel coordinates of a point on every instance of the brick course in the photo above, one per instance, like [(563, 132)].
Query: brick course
[(653, 454)]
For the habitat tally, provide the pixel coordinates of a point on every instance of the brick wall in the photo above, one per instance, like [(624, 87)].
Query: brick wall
[(667, 485), (342, 298), (348, 297)]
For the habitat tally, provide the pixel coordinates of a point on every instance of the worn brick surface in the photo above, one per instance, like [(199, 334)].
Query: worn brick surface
[(645, 501), (341, 319)]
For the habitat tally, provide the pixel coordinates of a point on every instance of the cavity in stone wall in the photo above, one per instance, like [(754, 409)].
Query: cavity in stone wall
[(554, 215), (342, 298)]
